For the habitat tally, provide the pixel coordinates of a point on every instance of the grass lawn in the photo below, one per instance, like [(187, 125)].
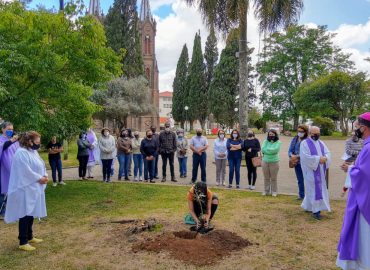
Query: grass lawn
[(77, 236)]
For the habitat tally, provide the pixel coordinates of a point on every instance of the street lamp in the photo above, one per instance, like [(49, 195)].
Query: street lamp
[(186, 116), (236, 111)]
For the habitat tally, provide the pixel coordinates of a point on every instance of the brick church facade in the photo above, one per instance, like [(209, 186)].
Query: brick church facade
[(147, 29)]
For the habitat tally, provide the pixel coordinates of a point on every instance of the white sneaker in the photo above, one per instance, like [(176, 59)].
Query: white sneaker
[(140, 178), (223, 183), (55, 184), (217, 184), (249, 187), (274, 194), (62, 183), (263, 194), (136, 179), (253, 187)]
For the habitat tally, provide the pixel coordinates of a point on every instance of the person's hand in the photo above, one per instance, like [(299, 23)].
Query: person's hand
[(345, 166), (323, 160), (43, 180), (198, 225), (14, 138), (250, 150)]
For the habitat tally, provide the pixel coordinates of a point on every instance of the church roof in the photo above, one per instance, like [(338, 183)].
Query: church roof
[(145, 12)]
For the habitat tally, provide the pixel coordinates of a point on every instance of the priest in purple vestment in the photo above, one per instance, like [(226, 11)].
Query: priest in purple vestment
[(8, 146), (354, 242)]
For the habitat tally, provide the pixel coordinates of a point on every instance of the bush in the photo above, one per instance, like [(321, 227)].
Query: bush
[(288, 126), (326, 125)]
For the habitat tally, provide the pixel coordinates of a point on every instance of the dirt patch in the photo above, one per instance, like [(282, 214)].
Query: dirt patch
[(194, 248)]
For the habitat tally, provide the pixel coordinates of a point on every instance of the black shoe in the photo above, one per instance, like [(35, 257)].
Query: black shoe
[(130, 174), (184, 176), (317, 215), (181, 176), (127, 179), (152, 181), (119, 179), (164, 179), (156, 177), (173, 180)]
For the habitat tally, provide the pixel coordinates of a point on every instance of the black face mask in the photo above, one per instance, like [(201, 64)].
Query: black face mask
[(271, 138), (359, 133), (250, 135), (199, 134), (315, 137), (149, 136), (153, 130), (35, 146)]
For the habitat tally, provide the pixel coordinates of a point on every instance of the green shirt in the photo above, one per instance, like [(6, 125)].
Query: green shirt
[(270, 151)]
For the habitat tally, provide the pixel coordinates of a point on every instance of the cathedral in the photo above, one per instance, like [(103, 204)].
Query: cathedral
[(147, 29)]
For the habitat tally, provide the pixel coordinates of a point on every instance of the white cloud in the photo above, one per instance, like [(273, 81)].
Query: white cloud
[(352, 35)]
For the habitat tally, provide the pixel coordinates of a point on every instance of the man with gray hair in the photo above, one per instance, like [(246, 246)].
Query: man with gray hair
[(315, 160)]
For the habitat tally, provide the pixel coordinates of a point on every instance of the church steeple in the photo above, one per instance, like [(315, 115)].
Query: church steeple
[(94, 8), (145, 12)]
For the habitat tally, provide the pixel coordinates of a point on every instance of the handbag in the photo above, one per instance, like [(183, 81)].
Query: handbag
[(257, 161), (293, 162)]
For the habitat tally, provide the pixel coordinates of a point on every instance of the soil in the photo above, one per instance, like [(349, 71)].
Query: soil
[(194, 248)]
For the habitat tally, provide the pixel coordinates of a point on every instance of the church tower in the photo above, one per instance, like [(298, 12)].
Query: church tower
[(148, 29), (94, 8)]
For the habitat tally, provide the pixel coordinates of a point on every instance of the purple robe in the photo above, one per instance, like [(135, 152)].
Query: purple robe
[(91, 138), (358, 203), (6, 163)]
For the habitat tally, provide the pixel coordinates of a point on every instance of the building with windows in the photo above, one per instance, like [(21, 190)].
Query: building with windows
[(165, 106)]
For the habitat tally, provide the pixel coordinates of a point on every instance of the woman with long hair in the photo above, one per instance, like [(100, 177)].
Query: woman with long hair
[(234, 147)]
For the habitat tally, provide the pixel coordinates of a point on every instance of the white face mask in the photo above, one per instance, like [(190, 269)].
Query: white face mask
[(300, 134), (106, 134), (222, 136), (235, 135)]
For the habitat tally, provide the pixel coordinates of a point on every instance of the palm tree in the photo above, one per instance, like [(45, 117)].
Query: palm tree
[(226, 14)]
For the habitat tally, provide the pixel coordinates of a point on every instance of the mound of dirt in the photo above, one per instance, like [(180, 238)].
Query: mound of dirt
[(193, 248)]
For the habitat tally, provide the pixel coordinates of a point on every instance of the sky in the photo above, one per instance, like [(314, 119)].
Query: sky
[(177, 24)]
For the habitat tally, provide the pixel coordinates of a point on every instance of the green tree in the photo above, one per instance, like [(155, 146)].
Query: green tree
[(196, 94), (123, 97), (48, 67), (223, 91), (291, 58), (179, 87), (122, 30), (225, 14), (337, 93), (210, 56)]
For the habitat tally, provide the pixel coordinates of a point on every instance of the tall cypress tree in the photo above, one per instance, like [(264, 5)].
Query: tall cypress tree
[(223, 91), (196, 86), (210, 55), (122, 30), (179, 87)]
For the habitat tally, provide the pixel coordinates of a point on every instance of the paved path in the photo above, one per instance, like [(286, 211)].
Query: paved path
[(287, 182)]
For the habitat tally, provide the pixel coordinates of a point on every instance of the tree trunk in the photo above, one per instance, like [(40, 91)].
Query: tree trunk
[(344, 126), (65, 147), (295, 121), (191, 125), (243, 75)]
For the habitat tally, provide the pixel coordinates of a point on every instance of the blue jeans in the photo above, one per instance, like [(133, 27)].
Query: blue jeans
[(156, 157), (124, 161), (182, 165), (149, 169), (199, 161), (299, 174), (138, 164), (56, 165), (234, 165)]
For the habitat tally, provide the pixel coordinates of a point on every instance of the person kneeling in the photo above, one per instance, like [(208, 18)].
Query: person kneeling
[(202, 205)]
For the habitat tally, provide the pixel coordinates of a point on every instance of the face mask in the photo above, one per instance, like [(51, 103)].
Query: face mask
[(300, 134), (106, 134), (235, 135), (315, 137), (124, 134), (271, 138), (36, 146), (149, 136), (153, 130), (359, 133), (167, 129), (250, 135), (222, 136), (137, 136), (199, 134), (180, 135), (9, 133)]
